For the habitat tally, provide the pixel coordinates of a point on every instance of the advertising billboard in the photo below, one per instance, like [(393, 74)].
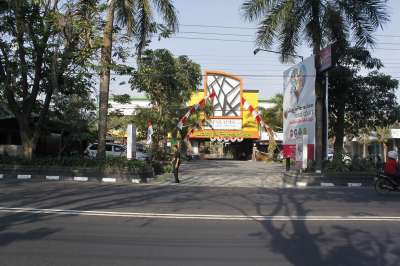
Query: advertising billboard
[(299, 107)]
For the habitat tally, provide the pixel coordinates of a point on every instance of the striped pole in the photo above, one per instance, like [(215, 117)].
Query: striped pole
[(194, 108)]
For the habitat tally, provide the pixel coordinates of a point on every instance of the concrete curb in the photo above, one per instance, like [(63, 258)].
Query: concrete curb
[(54, 178), (110, 180), (77, 179), (330, 184), (318, 180), (24, 177)]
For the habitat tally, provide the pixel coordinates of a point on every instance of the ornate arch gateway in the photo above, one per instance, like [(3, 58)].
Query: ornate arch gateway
[(234, 117)]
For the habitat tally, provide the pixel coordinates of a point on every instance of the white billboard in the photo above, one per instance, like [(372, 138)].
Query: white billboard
[(299, 107)]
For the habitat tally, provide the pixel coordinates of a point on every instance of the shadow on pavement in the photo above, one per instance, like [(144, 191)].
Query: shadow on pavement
[(301, 243)]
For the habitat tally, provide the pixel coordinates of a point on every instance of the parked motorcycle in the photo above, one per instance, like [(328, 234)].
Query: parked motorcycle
[(385, 184)]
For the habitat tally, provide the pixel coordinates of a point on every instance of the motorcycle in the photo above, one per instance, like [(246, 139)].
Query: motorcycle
[(385, 184)]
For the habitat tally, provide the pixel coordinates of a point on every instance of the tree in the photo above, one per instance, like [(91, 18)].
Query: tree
[(137, 17), (364, 139), (46, 47), (321, 22), (360, 102), (383, 135), (357, 101), (197, 121), (273, 117), (168, 82), (75, 112)]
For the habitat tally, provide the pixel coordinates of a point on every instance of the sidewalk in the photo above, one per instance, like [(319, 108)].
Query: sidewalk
[(216, 173)]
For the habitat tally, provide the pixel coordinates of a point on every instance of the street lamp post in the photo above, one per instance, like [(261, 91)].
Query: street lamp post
[(275, 52)]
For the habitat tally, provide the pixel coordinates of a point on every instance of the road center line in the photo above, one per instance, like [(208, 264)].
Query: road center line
[(199, 216)]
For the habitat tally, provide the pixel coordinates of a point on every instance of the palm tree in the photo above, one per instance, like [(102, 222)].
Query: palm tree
[(137, 17), (320, 22), (273, 117), (383, 135), (364, 139)]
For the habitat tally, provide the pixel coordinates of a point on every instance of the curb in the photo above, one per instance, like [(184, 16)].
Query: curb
[(318, 180), (111, 180), (329, 184), (54, 178), (76, 179)]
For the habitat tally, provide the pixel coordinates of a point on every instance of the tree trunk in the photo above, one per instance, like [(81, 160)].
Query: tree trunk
[(319, 92), (28, 148), (339, 130), (364, 150), (28, 140), (384, 152), (106, 52)]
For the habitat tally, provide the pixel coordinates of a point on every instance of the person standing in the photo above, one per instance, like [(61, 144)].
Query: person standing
[(176, 162), (254, 153)]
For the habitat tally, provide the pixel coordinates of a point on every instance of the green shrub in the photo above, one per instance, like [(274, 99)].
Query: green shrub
[(167, 168), (336, 166), (158, 167), (161, 154), (361, 164), (109, 163)]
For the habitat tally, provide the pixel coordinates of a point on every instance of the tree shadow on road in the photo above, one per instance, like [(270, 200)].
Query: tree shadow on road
[(325, 243), (301, 243)]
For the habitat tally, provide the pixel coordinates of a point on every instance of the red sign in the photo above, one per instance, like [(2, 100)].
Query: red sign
[(325, 58)]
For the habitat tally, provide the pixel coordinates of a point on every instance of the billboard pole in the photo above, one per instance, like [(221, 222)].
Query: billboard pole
[(326, 124), (324, 61)]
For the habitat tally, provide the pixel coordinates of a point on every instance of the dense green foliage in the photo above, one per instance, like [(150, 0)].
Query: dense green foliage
[(109, 163), (168, 82), (273, 117), (55, 44), (318, 23), (357, 101), (137, 18)]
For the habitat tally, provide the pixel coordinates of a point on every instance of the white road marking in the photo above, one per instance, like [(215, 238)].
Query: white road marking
[(1, 176), (52, 177), (81, 178), (201, 216), (23, 177)]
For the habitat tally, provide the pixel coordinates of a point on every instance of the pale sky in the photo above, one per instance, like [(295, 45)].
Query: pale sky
[(230, 45)]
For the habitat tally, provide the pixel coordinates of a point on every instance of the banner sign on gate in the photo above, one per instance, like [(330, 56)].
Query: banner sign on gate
[(299, 107)]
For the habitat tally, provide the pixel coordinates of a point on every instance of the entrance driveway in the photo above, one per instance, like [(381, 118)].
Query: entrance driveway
[(225, 173)]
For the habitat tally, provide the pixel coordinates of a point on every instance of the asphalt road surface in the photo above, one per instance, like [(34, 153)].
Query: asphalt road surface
[(93, 224)]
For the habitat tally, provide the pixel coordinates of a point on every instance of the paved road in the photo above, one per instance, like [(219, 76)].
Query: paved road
[(71, 239)]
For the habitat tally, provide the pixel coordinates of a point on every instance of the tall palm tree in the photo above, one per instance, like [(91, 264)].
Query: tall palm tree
[(285, 22), (137, 16), (364, 139), (383, 135)]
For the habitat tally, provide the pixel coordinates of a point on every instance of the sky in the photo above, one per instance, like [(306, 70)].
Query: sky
[(214, 34)]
